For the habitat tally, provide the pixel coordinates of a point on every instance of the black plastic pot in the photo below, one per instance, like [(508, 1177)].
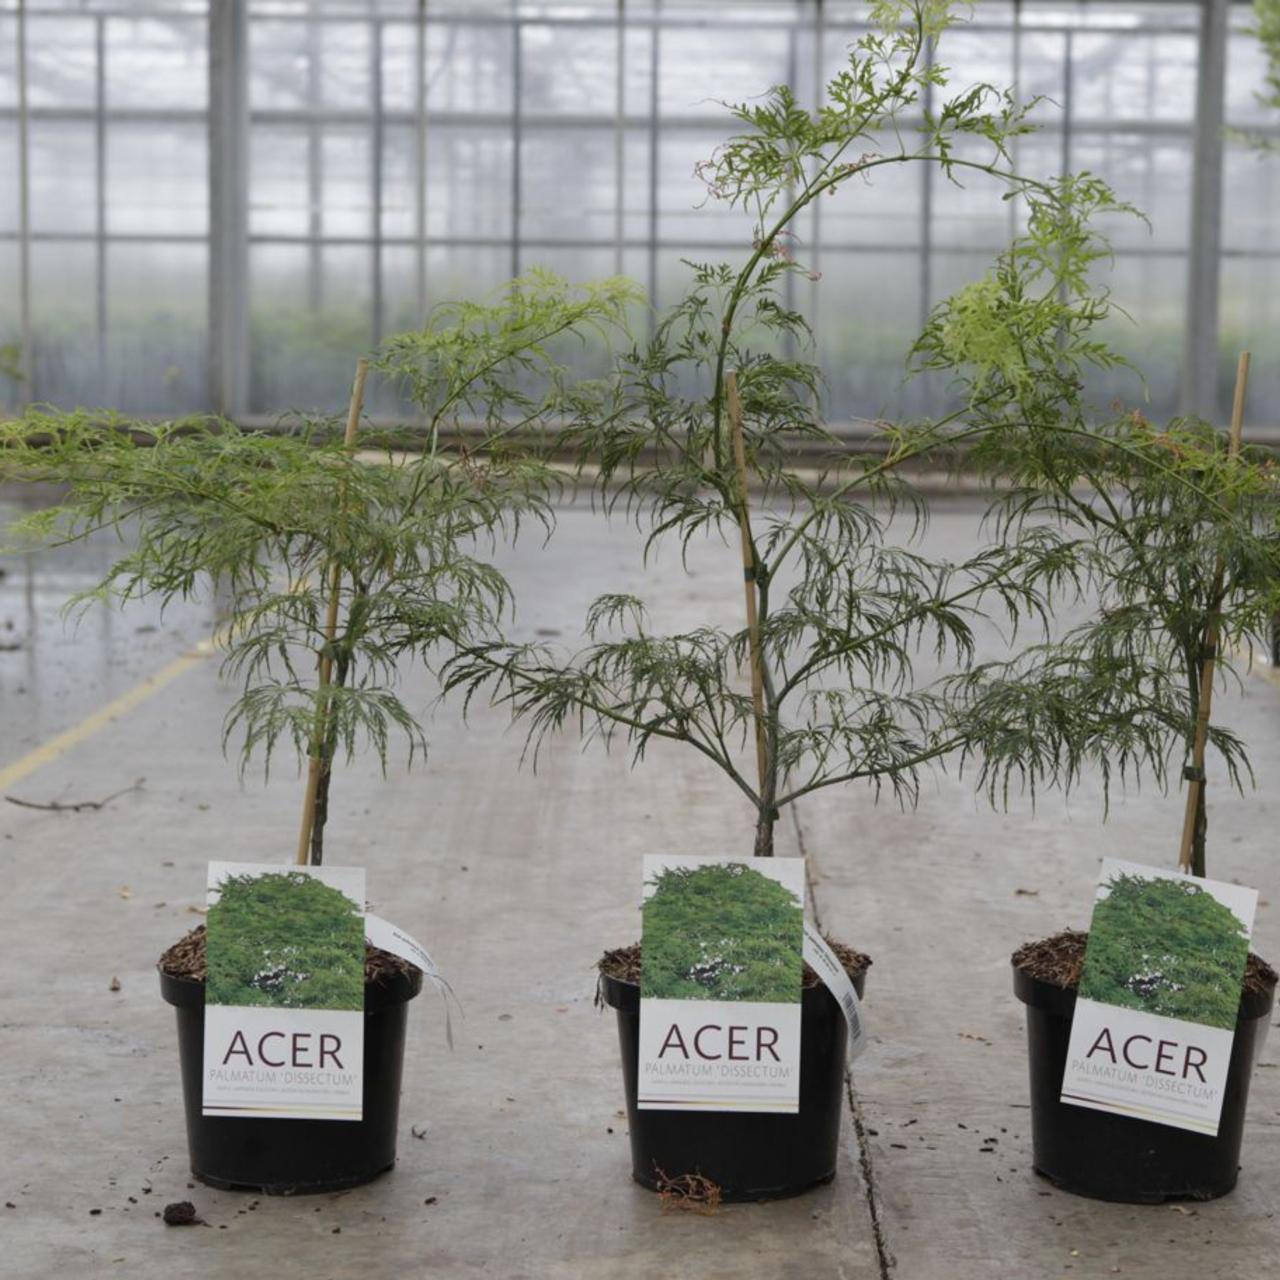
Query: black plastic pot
[(1110, 1157), (752, 1156), (296, 1157)]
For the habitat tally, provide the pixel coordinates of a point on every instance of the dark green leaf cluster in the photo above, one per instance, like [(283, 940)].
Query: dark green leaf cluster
[(285, 940), (1166, 947), (721, 931)]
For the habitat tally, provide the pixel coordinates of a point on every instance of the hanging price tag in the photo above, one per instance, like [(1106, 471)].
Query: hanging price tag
[(826, 964)]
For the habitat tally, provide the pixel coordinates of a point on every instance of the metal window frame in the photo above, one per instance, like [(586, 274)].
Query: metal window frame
[(230, 123)]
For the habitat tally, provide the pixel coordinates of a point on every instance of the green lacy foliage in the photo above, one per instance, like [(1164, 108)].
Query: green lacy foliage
[(1166, 947), (721, 932), (497, 363), (844, 611), (1169, 532), (285, 940), (260, 520)]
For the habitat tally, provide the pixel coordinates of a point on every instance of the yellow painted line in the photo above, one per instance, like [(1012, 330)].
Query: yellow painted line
[(58, 746)]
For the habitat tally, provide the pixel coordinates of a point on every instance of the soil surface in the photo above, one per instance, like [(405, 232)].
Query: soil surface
[(1059, 959), (186, 959), (624, 963)]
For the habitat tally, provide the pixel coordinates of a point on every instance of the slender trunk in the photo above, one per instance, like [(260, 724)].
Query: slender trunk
[(329, 750), (764, 832), (321, 813), (1200, 832), (1195, 674)]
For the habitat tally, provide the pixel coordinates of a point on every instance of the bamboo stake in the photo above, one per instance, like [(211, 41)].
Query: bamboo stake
[(748, 571), (1195, 782), (315, 761)]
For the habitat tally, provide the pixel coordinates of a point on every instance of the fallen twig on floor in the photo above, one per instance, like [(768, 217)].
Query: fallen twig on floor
[(75, 806)]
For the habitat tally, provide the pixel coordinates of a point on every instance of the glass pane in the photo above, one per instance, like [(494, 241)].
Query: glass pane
[(745, 64), (867, 316), (1152, 288), (61, 62), (8, 62), (345, 52), (63, 177), (64, 291), (1153, 173), (9, 214), (318, 64), (1250, 313), (567, 184), (1134, 77), (468, 69), (304, 348), (569, 70), (1252, 179), (157, 178), (157, 328), (279, 196), (400, 169), (279, 64), (687, 211), (399, 66), (157, 63), (10, 328), (469, 182)]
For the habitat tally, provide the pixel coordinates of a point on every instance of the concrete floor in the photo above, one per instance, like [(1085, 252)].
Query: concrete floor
[(516, 882)]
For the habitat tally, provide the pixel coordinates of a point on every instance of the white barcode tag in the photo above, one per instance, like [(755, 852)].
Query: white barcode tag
[(389, 937), (824, 962)]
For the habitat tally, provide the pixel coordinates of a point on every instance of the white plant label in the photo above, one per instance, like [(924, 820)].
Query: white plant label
[(826, 964), (721, 974), (284, 996), (390, 937), (1159, 995)]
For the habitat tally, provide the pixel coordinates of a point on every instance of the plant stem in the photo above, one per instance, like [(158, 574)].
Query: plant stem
[(321, 815), (317, 764), (1195, 820)]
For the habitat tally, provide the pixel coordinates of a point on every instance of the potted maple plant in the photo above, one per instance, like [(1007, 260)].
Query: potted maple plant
[(694, 428), (339, 560), (1176, 530)]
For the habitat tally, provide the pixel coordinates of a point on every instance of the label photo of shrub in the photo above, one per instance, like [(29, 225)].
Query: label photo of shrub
[(721, 931), (1168, 946), (284, 939)]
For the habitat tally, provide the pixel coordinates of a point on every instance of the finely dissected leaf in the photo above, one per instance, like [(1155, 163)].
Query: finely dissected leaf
[(845, 613), (1171, 535)]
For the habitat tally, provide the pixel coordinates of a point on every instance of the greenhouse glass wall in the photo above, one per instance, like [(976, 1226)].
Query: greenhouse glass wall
[(216, 206)]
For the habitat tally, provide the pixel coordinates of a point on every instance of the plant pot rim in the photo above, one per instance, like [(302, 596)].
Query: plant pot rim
[(1059, 1000), (400, 988), (624, 995)]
